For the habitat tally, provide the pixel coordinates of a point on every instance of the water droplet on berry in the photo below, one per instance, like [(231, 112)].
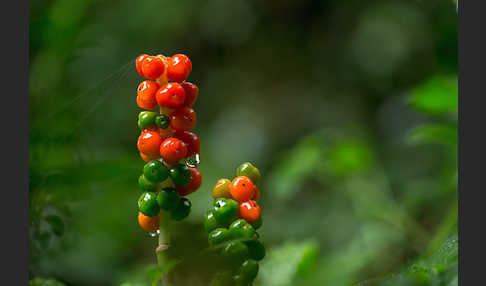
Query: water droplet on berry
[(154, 233), (193, 161)]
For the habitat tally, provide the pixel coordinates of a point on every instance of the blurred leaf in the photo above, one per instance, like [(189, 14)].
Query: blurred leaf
[(45, 282), (350, 157), (434, 133), (437, 95), (156, 272), (56, 223), (283, 264)]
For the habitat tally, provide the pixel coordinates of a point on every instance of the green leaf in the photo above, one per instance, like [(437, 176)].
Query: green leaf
[(287, 262), (434, 133), (350, 157), (437, 95)]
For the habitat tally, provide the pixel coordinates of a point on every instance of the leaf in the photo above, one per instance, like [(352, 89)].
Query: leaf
[(350, 157), (434, 133), (288, 262), (437, 95), (38, 281)]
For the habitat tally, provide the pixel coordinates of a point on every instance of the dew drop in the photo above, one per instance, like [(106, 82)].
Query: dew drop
[(154, 233), (193, 161)]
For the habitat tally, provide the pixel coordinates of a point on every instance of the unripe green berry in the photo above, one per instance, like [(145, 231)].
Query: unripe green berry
[(147, 204), (168, 198)]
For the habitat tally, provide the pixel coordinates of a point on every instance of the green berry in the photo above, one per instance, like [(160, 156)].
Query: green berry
[(247, 272), (258, 223), (235, 252), (182, 210), (256, 249), (162, 121), (147, 204), (218, 236), (155, 171), (250, 171), (210, 222), (240, 228), (225, 209), (146, 185), (180, 174), (145, 119), (168, 198)]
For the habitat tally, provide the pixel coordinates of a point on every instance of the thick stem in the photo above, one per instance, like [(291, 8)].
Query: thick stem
[(164, 243)]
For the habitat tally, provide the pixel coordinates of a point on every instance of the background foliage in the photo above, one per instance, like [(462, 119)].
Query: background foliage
[(349, 109)]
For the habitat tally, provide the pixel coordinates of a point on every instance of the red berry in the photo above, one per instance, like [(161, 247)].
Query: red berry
[(192, 141), (193, 185), (149, 142), (147, 158), (145, 105), (242, 189), (250, 211), (183, 119), (152, 67), (173, 150), (171, 95), (138, 63), (257, 193), (179, 68), (146, 91), (192, 91)]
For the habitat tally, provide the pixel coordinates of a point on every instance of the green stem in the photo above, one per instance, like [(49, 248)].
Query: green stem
[(164, 244)]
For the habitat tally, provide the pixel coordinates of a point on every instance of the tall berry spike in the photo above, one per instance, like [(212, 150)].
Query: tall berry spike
[(165, 144)]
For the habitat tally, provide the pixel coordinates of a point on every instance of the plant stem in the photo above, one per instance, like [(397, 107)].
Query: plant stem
[(164, 243)]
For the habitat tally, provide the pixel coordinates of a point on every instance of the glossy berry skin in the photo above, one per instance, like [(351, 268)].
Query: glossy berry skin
[(173, 150), (146, 185), (182, 210), (225, 210), (149, 142), (145, 119), (180, 175), (193, 185), (241, 229), (218, 236), (171, 95), (192, 141), (152, 67), (258, 223), (242, 189), (256, 249), (210, 222), (221, 189), (183, 119), (146, 91), (147, 204), (148, 223), (155, 171), (168, 198), (145, 105), (235, 252), (247, 272), (138, 63), (250, 211), (179, 67), (257, 193), (162, 121), (250, 171), (192, 92), (148, 158)]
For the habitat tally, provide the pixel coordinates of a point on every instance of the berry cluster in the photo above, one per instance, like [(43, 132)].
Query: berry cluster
[(232, 225), (165, 139)]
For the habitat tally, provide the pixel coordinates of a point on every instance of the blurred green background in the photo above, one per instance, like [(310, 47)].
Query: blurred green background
[(349, 109)]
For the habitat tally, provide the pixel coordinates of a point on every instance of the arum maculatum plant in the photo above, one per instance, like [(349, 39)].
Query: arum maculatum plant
[(170, 150), (232, 226)]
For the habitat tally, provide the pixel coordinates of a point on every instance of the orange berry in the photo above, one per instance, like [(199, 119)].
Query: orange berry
[(148, 223), (257, 193), (149, 142), (146, 91), (192, 92), (152, 67), (178, 68), (145, 105), (173, 150), (138, 63), (250, 211), (242, 189), (193, 185), (171, 95), (183, 119), (147, 158)]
